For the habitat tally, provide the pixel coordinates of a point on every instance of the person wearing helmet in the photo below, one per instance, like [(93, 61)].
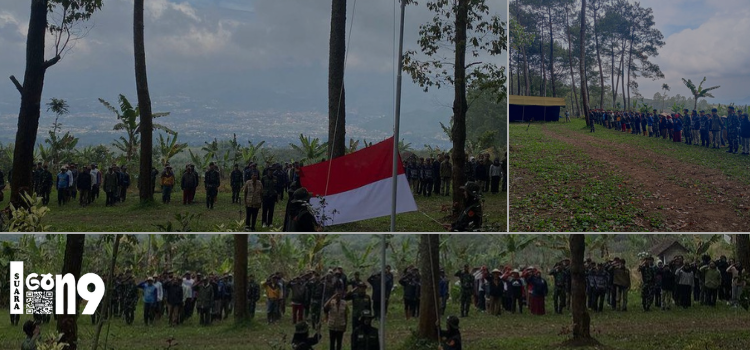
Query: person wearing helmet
[(301, 339), (471, 217), (365, 337), (450, 339), (302, 218)]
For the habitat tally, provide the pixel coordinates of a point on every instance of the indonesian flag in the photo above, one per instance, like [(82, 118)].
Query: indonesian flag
[(360, 185)]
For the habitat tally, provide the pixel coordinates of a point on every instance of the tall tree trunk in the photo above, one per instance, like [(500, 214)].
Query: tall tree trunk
[(518, 73), (527, 88), (622, 73), (598, 57), (619, 74), (743, 249), (543, 88), (612, 75), (551, 53), (582, 62), (104, 316), (240, 277), (31, 100), (429, 267), (72, 263), (460, 106), (145, 187), (630, 63), (581, 318), (570, 60), (336, 92)]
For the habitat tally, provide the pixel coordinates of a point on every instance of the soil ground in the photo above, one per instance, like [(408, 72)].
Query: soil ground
[(650, 184)]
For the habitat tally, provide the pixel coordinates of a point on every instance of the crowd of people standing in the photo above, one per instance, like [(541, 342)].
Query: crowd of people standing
[(696, 127)]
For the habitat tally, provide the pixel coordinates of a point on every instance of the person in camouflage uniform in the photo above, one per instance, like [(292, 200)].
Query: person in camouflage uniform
[(205, 300), (466, 280), (315, 287), (253, 295), (687, 123), (648, 281), (129, 297), (733, 131), (561, 279), (360, 302)]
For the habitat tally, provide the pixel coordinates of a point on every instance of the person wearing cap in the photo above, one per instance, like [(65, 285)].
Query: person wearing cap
[(450, 339), (470, 218), (302, 340), (360, 302), (252, 194), (466, 281), (32, 331), (235, 181), (337, 312), (302, 218), (716, 126), (273, 298), (167, 183), (495, 293), (212, 181), (149, 300), (733, 128), (745, 134)]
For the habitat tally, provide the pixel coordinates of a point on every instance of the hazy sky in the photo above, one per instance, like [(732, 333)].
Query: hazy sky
[(231, 50), (703, 38)]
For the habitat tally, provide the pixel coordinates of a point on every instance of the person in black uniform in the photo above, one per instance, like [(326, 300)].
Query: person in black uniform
[(365, 337), (471, 218), (301, 217), (302, 340), (212, 181), (450, 339), (236, 181)]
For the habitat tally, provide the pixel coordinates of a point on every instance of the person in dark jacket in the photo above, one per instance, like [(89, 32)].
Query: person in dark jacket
[(375, 282), (124, 183), (427, 178), (235, 180), (212, 181), (411, 283), (365, 337), (302, 339), (450, 339), (84, 186), (436, 174), (745, 134), (470, 218), (301, 216), (45, 184), (188, 184), (253, 295), (154, 174), (111, 183), (268, 181)]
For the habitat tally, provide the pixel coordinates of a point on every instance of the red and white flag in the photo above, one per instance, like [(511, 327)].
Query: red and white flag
[(358, 185)]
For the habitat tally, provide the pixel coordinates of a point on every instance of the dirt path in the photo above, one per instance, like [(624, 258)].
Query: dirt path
[(690, 197)]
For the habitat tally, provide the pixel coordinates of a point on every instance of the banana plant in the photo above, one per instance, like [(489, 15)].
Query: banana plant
[(169, 147), (129, 121), (252, 152), (311, 149), (358, 260)]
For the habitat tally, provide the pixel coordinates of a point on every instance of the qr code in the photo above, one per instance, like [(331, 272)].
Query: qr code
[(39, 302)]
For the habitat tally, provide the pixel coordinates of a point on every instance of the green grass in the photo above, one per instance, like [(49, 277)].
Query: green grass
[(696, 328), (134, 217), (555, 187), (733, 166)]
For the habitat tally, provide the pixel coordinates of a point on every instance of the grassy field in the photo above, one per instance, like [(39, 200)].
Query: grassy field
[(564, 178), (133, 217), (696, 328)]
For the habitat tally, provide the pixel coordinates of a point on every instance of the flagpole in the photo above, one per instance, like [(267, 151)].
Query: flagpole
[(397, 120)]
